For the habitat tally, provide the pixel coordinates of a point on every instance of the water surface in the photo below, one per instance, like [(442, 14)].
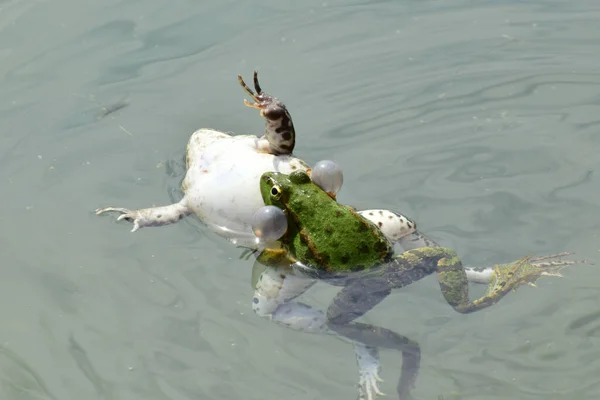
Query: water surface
[(477, 119)]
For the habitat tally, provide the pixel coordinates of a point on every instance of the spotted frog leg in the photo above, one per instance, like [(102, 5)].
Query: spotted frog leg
[(280, 136)]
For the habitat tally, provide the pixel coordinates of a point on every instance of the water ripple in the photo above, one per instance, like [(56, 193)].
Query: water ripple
[(478, 120)]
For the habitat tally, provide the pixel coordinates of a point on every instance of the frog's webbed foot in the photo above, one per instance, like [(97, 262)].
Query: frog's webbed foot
[(527, 270), (155, 216), (367, 358), (502, 279), (280, 136), (552, 265), (367, 338)]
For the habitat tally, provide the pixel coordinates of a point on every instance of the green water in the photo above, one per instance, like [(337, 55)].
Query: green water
[(480, 120)]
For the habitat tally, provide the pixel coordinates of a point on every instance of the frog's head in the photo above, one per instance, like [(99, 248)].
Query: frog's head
[(302, 201), (279, 189), (296, 197)]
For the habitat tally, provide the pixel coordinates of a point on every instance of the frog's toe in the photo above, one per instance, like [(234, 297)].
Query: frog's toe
[(111, 209), (367, 388), (527, 270), (126, 214), (132, 217), (552, 265)]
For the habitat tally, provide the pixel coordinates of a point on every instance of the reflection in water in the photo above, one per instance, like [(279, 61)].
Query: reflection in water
[(102, 387), (19, 380)]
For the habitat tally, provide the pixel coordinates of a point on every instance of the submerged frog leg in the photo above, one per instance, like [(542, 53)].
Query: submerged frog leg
[(367, 339), (356, 298), (280, 136), (156, 216), (369, 368), (274, 295), (351, 302)]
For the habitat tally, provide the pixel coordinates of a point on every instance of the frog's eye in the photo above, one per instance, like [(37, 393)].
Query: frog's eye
[(276, 192)]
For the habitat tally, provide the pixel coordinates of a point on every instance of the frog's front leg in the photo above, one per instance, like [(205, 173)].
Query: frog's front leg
[(280, 136), (155, 216), (275, 289)]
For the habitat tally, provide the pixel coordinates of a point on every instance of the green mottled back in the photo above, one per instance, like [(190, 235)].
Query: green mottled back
[(322, 232)]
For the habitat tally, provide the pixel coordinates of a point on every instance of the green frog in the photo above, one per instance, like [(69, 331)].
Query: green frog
[(332, 242)]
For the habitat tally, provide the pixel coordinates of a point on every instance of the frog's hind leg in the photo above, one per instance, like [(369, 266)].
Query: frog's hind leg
[(280, 135), (417, 240), (393, 225), (274, 295), (367, 339), (354, 300), (399, 229), (502, 279), (156, 216)]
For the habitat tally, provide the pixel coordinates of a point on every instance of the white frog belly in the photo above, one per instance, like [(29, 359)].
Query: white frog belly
[(222, 183)]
